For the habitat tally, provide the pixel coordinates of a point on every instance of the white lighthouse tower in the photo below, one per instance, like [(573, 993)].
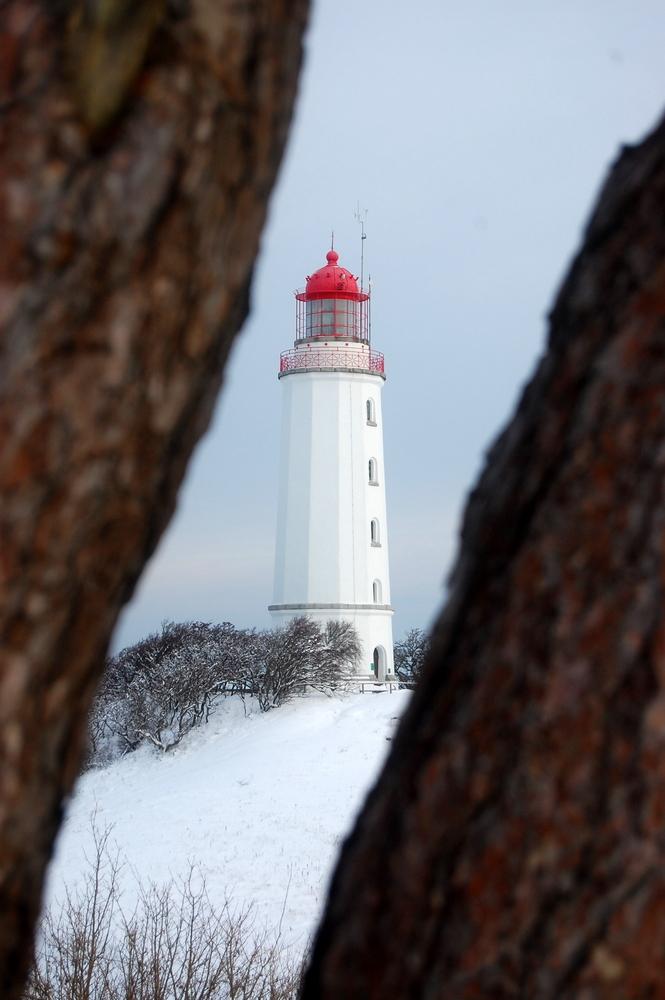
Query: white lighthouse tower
[(331, 559)]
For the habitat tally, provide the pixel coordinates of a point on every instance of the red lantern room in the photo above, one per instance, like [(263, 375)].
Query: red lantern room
[(332, 306)]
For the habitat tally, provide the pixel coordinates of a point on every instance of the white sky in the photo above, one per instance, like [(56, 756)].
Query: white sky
[(476, 134)]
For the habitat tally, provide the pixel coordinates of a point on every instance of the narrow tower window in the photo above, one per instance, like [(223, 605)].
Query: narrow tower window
[(373, 478), (376, 592), (374, 532), (371, 412)]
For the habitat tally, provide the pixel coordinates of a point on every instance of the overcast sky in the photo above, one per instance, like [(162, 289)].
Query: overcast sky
[(476, 135)]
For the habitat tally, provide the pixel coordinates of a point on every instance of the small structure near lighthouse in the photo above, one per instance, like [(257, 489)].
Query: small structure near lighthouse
[(331, 558)]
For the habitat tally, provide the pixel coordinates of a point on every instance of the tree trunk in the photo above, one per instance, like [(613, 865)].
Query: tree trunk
[(139, 143), (514, 845)]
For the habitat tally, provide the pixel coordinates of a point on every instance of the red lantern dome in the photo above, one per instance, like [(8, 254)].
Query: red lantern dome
[(332, 306), (332, 281)]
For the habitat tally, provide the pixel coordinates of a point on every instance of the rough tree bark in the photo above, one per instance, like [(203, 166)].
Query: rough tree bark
[(139, 142), (515, 843)]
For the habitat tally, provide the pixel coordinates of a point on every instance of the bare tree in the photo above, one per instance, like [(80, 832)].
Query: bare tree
[(160, 688), (335, 663), (410, 655), (514, 844), (163, 686), (279, 667), (139, 145), (301, 655)]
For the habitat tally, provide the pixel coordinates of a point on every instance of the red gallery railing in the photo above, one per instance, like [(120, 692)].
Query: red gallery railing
[(332, 358)]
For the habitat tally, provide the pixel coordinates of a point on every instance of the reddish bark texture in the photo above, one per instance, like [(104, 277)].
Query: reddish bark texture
[(127, 252), (515, 843)]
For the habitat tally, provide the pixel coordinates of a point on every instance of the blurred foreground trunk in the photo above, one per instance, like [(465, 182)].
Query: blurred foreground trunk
[(139, 143), (515, 843)]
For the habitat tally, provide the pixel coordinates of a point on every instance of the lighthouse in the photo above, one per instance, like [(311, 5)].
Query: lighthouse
[(331, 554)]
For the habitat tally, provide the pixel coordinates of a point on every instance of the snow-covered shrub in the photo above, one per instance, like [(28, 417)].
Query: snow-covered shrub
[(337, 658), (280, 667), (298, 656), (172, 944), (159, 689), (173, 678)]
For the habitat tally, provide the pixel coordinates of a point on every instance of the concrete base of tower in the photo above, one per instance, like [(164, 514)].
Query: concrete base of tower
[(373, 623)]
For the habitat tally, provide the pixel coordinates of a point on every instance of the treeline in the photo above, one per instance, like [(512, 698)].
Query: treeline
[(159, 689)]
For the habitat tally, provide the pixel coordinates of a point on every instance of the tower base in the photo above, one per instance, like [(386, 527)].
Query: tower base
[(372, 622)]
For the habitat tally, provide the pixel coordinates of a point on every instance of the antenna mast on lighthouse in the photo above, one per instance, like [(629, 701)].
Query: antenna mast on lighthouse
[(360, 215)]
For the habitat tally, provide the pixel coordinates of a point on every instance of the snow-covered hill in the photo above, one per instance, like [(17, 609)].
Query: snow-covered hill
[(259, 804)]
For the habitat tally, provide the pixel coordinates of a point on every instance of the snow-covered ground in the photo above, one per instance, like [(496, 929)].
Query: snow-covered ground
[(259, 804)]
